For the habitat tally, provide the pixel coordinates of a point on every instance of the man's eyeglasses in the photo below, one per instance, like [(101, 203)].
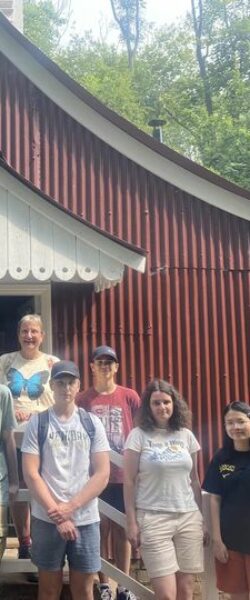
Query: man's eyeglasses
[(104, 363)]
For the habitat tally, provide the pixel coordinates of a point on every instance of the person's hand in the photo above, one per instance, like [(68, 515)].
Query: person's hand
[(13, 490), (68, 531), (206, 537), (133, 535), (220, 551), (62, 512), (21, 415)]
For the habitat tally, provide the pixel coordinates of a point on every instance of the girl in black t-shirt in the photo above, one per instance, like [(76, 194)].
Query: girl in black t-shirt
[(228, 483)]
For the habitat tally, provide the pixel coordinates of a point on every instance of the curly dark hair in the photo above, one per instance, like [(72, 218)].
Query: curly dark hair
[(181, 416), (243, 407)]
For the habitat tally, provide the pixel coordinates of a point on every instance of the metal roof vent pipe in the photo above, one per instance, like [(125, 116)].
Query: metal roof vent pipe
[(13, 10), (157, 125)]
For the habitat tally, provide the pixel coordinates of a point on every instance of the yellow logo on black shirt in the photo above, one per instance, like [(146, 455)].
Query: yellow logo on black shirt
[(226, 469)]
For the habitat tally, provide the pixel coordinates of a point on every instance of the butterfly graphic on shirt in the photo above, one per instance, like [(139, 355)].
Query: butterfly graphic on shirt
[(33, 386)]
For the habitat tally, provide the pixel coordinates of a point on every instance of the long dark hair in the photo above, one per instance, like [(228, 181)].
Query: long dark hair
[(181, 416), (243, 407)]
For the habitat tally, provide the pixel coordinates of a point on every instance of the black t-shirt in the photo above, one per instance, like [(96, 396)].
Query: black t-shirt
[(228, 476)]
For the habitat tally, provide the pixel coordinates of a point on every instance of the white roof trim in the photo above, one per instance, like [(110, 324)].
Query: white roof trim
[(118, 139), (40, 243)]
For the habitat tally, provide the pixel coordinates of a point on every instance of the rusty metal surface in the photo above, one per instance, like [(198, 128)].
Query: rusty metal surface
[(187, 319)]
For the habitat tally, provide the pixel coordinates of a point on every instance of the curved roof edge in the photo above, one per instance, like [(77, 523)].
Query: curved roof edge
[(138, 254), (116, 131)]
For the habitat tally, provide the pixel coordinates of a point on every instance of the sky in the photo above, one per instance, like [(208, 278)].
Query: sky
[(91, 14)]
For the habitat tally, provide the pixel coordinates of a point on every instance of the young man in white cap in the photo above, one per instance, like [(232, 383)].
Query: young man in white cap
[(116, 407), (66, 466)]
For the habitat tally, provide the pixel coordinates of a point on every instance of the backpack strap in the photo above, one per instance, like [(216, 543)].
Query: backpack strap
[(87, 423), (43, 426)]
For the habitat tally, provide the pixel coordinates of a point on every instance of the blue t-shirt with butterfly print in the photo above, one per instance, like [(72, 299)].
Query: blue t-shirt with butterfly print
[(28, 381)]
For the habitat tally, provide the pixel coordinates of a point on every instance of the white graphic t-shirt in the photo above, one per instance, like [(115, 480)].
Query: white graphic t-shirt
[(66, 460), (163, 481), (28, 381)]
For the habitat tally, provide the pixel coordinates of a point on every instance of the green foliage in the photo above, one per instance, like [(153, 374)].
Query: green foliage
[(166, 80), (105, 73), (226, 149), (128, 17), (43, 25), (225, 38), (167, 83)]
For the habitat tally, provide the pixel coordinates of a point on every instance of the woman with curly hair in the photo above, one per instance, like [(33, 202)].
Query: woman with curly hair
[(162, 492)]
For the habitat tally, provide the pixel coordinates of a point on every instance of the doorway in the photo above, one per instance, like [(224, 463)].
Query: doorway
[(20, 300), (12, 309)]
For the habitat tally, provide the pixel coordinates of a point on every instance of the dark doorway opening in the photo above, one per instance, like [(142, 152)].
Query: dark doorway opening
[(12, 308)]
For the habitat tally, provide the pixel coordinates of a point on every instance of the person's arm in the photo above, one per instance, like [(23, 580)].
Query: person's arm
[(2, 369), (21, 415), (36, 485), (100, 467), (195, 482), (11, 461), (196, 487), (136, 403), (41, 493), (220, 550), (131, 469)]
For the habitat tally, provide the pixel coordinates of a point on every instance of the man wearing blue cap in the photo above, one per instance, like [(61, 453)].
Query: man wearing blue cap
[(66, 467), (116, 406)]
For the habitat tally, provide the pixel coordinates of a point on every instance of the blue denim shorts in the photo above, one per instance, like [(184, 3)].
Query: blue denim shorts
[(49, 550)]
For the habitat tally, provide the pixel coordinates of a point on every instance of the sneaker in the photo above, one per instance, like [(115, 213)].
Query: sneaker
[(105, 592), (125, 595), (24, 551)]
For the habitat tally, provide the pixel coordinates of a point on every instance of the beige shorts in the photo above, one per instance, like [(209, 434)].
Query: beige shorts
[(171, 542)]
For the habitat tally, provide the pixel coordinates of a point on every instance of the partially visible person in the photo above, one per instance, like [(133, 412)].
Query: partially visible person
[(162, 492), (66, 466), (116, 406), (27, 372), (8, 462), (228, 483)]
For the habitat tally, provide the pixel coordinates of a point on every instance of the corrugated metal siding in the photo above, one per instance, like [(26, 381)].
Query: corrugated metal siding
[(187, 319)]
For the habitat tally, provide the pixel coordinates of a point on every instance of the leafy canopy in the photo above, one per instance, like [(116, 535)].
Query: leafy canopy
[(195, 75)]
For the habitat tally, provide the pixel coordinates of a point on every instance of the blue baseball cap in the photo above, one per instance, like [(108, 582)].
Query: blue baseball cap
[(104, 351), (64, 367)]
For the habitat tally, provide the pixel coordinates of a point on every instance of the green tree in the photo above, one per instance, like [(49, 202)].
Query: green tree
[(105, 73), (43, 25), (128, 16), (223, 56), (166, 80)]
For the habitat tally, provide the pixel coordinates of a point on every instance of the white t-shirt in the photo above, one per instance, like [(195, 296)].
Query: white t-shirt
[(163, 482), (66, 460), (28, 381)]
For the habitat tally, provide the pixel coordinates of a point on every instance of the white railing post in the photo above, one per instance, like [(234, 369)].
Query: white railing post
[(209, 589)]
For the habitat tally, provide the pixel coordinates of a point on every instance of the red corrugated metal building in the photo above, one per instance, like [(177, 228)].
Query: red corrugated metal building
[(187, 318)]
